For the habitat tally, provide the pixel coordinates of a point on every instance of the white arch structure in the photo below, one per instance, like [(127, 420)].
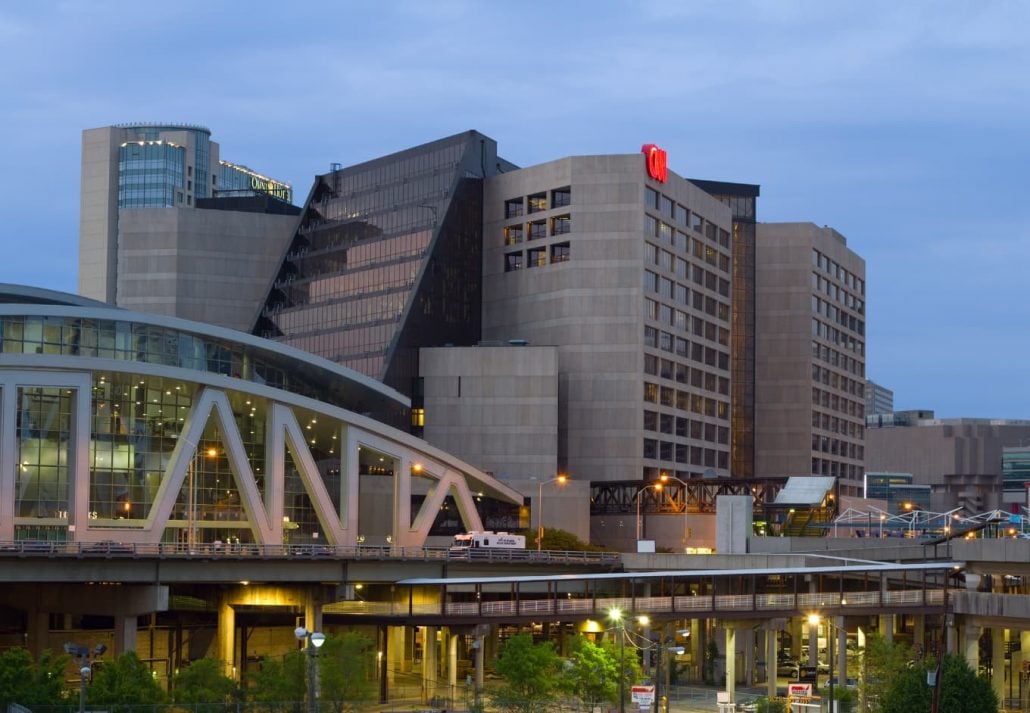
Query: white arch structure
[(71, 364)]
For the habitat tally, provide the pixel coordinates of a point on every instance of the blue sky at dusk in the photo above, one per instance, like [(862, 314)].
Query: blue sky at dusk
[(902, 125)]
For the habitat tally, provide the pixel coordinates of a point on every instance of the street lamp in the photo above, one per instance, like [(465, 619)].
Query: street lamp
[(561, 479), (814, 620), (615, 616), (83, 653), (665, 477), (657, 487), (313, 641)]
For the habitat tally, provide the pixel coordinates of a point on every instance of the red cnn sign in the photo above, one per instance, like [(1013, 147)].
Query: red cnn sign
[(657, 162)]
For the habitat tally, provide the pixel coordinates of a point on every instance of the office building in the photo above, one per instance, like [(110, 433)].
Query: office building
[(878, 399), (1015, 474), (961, 459), (149, 238), (624, 266), (898, 491), (810, 354)]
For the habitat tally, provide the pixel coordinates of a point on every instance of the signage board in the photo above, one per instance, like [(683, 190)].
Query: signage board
[(799, 689), (656, 161), (642, 695)]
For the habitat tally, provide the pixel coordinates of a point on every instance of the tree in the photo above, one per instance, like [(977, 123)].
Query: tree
[(530, 673), (961, 690), (563, 540), (280, 684), (881, 659), (592, 671), (124, 681), (344, 665), (31, 683), (769, 705), (203, 684)]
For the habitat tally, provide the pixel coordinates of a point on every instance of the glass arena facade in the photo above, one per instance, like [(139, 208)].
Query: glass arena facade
[(118, 426)]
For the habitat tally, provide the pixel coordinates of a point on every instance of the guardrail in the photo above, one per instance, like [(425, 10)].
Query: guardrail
[(112, 548)]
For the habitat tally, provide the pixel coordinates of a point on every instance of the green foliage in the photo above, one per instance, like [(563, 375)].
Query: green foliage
[(847, 699), (962, 691), (561, 540), (882, 659), (345, 665), (770, 705), (280, 684), (30, 683), (592, 671), (203, 684), (711, 656), (124, 681), (530, 673)]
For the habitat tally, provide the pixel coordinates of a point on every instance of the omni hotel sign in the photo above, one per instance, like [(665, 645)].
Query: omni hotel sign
[(656, 161)]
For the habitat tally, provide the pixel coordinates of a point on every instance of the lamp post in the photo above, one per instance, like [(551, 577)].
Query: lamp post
[(665, 477), (313, 640), (83, 653), (657, 488), (615, 616), (561, 479)]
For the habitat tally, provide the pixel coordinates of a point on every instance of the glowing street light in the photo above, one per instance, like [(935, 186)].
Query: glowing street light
[(561, 479), (616, 617), (313, 641)]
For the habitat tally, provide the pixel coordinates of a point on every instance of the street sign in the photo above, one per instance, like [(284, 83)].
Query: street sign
[(642, 695)]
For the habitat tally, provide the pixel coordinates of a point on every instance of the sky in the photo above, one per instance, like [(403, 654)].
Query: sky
[(901, 125)]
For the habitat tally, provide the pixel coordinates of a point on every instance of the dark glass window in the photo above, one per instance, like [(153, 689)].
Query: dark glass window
[(561, 197), (513, 208), (560, 252), (536, 257), (512, 262), (538, 229), (561, 224)]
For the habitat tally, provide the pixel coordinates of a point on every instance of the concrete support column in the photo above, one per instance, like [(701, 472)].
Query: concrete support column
[(950, 635), (227, 637), (312, 611), (480, 652), (696, 654), (731, 663), (813, 643), (841, 664), (919, 632), (395, 651), (795, 637), (38, 624), (971, 645), (998, 636), (749, 657), (125, 629), (452, 661), (771, 657), (430, 667), (886, 627)]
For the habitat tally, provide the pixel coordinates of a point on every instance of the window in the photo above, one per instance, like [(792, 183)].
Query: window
[(513, 234), (651, 364), (512, 262), (650, 393), (513, 208), (650, 421), (561, 197), (560, 252), (650, 197), (536, 257), (538, 229), (537, 202), (561, 224), (650, 448), (418, 417)]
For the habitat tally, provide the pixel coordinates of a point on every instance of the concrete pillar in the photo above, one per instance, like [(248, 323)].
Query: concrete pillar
[(795, 637), (38, 634), (696, 654), (395, 651), (480, 651), (771, 656), (971, 645), (950, 635), (998, 662), (813, 643), (841, 664), (430, 668), (452, 661), (312, 611), (731, 663), (227, 637), (886, 627), (919, 632), (125, 629), (749, 657)]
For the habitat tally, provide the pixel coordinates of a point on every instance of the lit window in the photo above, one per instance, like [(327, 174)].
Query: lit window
[(537, 257), (418, 417), (561, 252), (513, 234), (537, 202)]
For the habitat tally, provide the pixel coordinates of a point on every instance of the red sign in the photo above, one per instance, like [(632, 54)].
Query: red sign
[(657, 162), (799, 689)]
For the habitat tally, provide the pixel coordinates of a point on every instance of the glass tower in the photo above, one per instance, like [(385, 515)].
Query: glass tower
[(387, 259)]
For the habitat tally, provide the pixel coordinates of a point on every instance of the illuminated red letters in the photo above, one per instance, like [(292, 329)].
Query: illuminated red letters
[(657, 162)]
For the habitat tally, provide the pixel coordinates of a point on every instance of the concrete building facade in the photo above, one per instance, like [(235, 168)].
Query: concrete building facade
[(629, 277), (810, 353), (147, 242)]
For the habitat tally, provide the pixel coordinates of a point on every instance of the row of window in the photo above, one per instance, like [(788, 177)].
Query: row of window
[(837, 336), (822, 466), (555, 225), (670, 317), (684, 401), (838, 403), (838, 316), (695, 351), (682, 453), (837, 447), (537, 202), (687, 218), (685, 270), (681, 373), (537, 257), (686, 428), (836, 358), (665, 234), (837, 272), (837, 293), (669, 289), (822, 375), (843, 426)]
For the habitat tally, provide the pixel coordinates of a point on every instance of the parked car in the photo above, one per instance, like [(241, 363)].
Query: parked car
[(787, 668)]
